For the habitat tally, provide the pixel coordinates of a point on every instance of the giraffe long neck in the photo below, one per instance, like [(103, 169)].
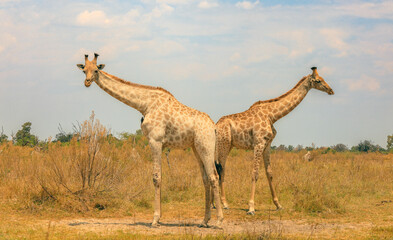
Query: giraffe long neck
[(281, 106), (134, 95)]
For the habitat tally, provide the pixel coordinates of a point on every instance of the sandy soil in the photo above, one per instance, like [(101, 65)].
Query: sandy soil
[(190, 226)]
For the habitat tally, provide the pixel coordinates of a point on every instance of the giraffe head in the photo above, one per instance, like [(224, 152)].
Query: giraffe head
[(90, 69), (319, 83)]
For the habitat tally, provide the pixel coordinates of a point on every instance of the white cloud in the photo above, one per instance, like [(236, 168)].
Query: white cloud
[(99, 18), (377, 10), (173, 2), (384, 67), (207, 4), (247, 5), (159, 47), (159, 11), (130, 17), (236, 56), (364, 83), (133, 48), (6, 40), (92, 18), (334, 39), (297, 42)]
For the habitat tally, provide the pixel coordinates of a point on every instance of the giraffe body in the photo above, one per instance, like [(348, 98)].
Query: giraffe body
[(253, 129), (166, 123)]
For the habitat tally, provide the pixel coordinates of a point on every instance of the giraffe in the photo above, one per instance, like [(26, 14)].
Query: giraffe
[(166, 123), (253, 129)]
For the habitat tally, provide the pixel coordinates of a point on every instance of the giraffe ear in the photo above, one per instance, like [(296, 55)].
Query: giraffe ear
[(101, 66), (80, 66)]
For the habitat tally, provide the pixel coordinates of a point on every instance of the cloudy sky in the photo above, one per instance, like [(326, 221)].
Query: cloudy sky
[(213, 55)]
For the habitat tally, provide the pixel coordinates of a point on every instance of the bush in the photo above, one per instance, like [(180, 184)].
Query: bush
[(62, 136), (389, 145), (366, 146), (88, 168), (340, 147), (3, 137), (24, 138)]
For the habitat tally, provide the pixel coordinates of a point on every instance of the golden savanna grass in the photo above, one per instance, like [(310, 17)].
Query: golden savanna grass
[(101, 177)]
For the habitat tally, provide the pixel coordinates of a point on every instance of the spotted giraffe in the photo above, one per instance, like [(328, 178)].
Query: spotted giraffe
[(166, 123), (253, 129)]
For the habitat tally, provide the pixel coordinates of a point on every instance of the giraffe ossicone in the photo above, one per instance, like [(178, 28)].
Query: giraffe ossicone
[(253, 129), (166, 123)]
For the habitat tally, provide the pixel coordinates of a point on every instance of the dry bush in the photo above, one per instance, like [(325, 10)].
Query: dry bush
[(90, 172)]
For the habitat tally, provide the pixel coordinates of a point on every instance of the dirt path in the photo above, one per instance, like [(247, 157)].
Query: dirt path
[(268, 227)]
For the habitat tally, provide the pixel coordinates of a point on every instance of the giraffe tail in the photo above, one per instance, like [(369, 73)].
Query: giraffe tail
[(219, 169), (216, 161)]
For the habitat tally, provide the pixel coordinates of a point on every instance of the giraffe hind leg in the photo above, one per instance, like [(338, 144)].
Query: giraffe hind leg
[(258, 155), (223, 147), (156, 148), (206, 154), (207, 191), (269, 175)]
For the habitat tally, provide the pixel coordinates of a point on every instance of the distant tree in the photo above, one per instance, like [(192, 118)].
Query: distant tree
[(299, 147), (290, 148), (389, 146), (24, 138), (281, 148), (340, 147), (3, 137), (366, 146), (62, 136), (134, 137)]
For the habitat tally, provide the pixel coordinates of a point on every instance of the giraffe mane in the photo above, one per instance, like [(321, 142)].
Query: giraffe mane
[(282, 96), (136, 84)]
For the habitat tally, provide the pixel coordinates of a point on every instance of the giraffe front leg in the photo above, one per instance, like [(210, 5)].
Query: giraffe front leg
[(269, 175), (258, 155), (156, 148)]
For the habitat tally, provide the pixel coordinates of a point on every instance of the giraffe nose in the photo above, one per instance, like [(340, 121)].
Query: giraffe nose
[(88, 82)]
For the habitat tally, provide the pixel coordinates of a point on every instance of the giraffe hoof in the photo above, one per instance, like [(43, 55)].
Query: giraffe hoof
[(218, 226), (252, 213), (155, 225), (203, 225)]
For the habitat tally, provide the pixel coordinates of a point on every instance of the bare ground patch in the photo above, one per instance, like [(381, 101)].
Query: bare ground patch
[(191, 226)]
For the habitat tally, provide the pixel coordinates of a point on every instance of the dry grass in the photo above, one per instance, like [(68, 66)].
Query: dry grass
[(100, 177)]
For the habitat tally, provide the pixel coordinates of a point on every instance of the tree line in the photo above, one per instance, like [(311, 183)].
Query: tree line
[(24, 137)]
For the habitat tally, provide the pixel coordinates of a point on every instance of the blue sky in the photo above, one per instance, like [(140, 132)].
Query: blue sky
[(216, 56)]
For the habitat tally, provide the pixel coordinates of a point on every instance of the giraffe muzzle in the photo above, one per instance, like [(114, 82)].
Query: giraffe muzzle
[(88, 82)]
